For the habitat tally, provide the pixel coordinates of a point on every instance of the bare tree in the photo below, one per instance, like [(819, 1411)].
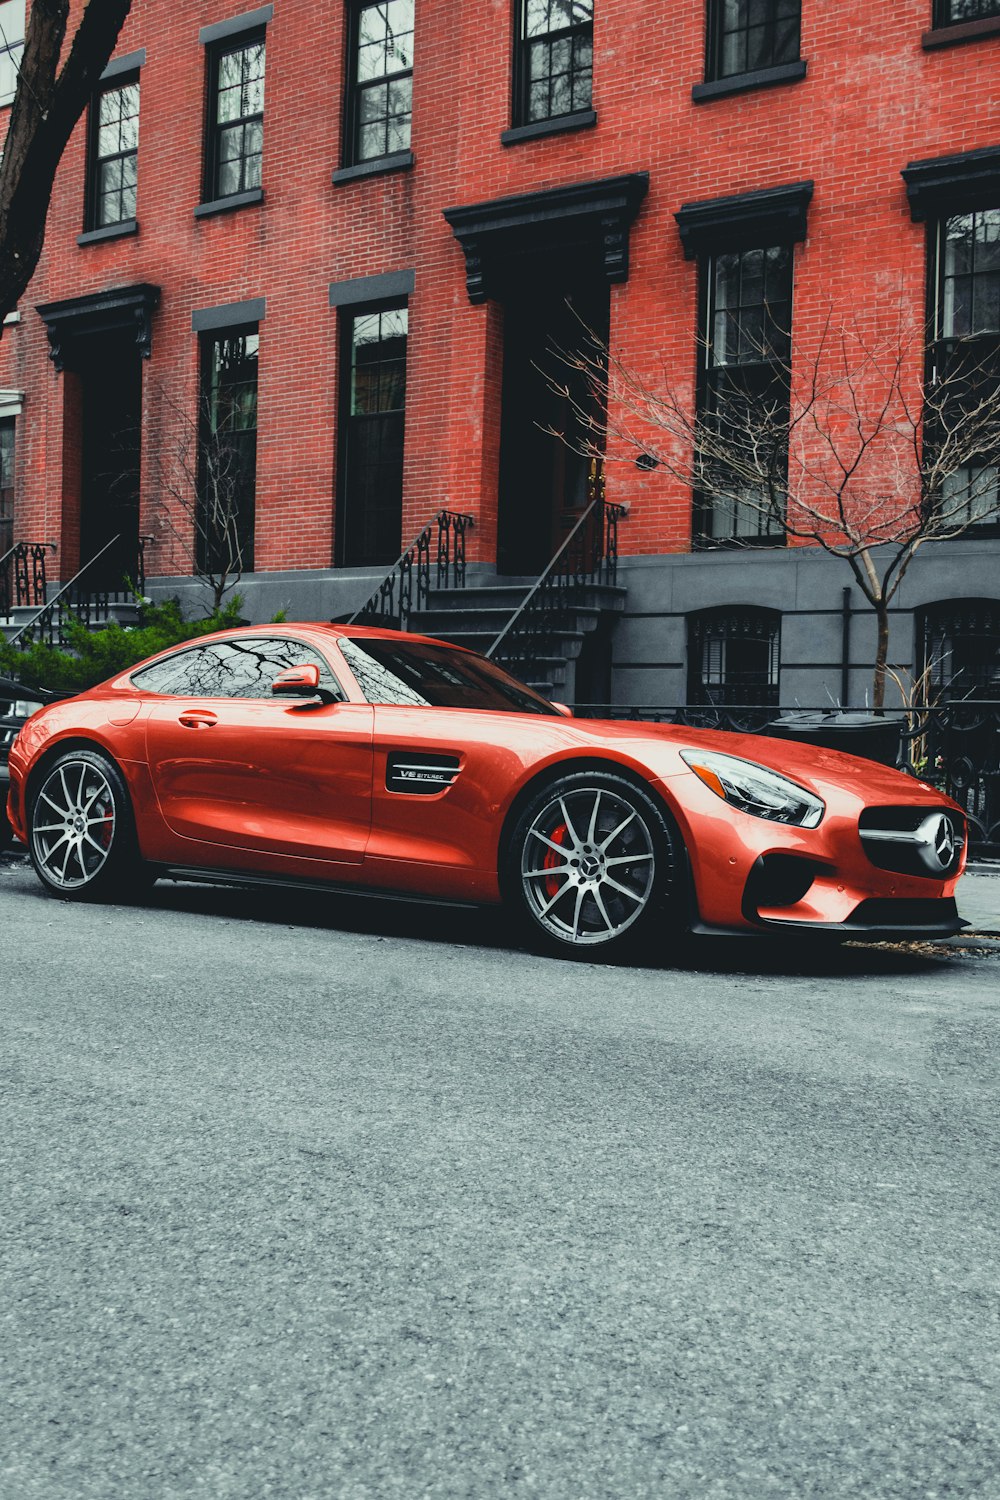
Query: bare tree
[(845, 450), (47, 105), (201, 493)]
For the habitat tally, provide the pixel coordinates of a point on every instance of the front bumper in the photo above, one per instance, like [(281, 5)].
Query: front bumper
[(752, 875)]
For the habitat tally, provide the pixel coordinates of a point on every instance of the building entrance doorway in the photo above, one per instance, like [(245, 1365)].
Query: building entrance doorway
[(549, 412), (109, 368)]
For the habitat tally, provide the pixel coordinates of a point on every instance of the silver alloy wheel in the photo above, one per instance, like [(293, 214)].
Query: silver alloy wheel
[(73, 824), (588, 865)]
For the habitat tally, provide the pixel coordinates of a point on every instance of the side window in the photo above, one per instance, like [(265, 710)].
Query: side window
[(232, 669), (194, 673)]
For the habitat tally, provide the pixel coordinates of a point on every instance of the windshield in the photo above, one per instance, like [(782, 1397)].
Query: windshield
[(412, 672)]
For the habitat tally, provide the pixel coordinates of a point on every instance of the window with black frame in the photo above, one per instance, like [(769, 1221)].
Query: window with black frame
[(12, 29), (113, 142), (234, 145), (7, 428), (965, 357), (380, 88), (554, 61), (961, 649), (957, 12), (373, 406), (750, 36), (734, 657), (227, 467), (743, 395)]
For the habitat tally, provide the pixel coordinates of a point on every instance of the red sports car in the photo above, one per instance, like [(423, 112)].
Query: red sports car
[(350, 757)]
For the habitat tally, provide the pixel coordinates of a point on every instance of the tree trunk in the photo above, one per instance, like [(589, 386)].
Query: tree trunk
[(881, 655)]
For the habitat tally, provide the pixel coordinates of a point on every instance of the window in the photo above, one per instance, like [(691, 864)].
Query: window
[(235, 137), (554, 60), (747, 36), (968, 262), (6, 484), (12, 14), (743, 394), (381, 81), (113, 154), (955, 12), (733, 657), (961, 649), (965, 358), (406, 673), (232, 669), (373, 397), (227, 451)]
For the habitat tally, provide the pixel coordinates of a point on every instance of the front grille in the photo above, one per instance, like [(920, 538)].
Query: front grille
[(913, 840), (898, 915)]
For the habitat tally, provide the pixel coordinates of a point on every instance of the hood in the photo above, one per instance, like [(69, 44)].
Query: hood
[(815, 768)]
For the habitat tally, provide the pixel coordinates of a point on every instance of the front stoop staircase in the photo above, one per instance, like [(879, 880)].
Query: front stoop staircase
[(553, 631), (558, 648), (28, 612)]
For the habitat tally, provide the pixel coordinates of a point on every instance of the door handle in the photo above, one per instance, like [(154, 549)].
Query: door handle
[(197, 718)]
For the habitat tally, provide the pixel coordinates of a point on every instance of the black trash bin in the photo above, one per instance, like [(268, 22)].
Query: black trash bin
[(869, 735)]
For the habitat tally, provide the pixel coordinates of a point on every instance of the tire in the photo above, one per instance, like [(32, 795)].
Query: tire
[(81, 830), (618, 879)]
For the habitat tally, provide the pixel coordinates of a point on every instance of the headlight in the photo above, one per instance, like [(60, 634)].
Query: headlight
[(23, 708), (755, 790)]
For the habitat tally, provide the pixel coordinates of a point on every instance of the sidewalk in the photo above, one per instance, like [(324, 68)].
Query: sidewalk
[(979, 898)]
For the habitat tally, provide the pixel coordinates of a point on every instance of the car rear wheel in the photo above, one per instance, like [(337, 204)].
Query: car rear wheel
[(593, 865), (81, 832)]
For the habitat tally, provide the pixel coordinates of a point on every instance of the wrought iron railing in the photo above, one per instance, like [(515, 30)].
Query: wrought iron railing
[(953, 746), (22, 575), (588, 557), (79, 600), (407, 584)]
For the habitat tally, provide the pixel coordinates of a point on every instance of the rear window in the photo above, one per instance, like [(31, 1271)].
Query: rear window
[(410, 672)]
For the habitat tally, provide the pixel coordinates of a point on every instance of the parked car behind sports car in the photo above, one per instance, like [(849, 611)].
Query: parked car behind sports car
[(17, 703), (350, 757)]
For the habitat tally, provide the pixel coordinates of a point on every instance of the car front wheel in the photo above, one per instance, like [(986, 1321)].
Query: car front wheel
[(593, 865), (81, 833)]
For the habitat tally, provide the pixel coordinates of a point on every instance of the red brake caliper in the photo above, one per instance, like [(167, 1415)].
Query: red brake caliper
[(552, 859)]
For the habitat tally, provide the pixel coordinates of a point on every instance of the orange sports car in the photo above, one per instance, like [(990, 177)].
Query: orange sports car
[(361, 758)]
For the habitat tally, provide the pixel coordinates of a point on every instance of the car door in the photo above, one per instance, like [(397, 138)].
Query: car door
[(234, 768)]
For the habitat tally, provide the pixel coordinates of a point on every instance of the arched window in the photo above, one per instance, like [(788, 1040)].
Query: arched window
[(960, 648), (734, 655)]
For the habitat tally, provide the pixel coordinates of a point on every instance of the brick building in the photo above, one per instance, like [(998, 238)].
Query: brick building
[(350, 235)]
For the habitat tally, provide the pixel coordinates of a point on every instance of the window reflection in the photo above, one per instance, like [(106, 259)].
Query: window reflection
[(406, 672), (242, 668)]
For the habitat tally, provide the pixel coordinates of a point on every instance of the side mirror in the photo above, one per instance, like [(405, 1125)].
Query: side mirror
[(297, 682), (302, 682), (563, 708)]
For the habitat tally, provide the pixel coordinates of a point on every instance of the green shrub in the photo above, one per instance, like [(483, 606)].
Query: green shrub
[(92, 656)]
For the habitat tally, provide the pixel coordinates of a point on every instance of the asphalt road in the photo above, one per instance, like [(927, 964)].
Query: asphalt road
[(348, 1199)]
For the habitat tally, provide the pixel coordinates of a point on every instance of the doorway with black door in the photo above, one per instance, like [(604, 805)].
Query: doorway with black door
[(556, 322), (109, 367)]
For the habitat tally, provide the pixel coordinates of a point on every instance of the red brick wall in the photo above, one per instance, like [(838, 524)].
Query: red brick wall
[(872, 101)]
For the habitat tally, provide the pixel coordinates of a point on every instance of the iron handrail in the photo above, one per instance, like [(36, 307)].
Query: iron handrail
[(598, 501), (50, 606), (419, 550)]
